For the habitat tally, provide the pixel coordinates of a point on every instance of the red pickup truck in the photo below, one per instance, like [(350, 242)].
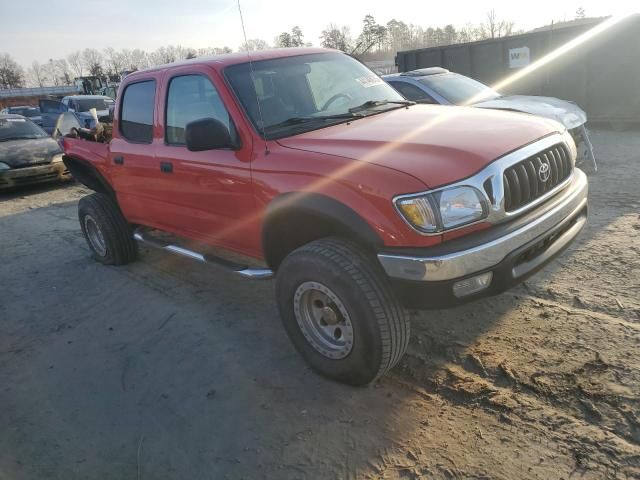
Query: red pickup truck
[(304, 165)]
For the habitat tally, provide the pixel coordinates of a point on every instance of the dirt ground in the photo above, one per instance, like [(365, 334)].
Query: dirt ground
[(166, 369)]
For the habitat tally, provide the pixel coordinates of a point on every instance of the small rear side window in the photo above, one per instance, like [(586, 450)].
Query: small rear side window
[(136, 118)]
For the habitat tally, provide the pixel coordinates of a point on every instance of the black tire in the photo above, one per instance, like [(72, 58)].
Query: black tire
[(115, 245), (380, 325)]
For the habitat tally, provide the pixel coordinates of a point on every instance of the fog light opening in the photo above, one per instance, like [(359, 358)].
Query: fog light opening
[(472, 285)]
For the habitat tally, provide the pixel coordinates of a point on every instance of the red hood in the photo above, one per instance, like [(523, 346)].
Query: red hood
[(436, 144)]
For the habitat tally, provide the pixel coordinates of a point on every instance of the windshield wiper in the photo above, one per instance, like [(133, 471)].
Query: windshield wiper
[(301, 120), (377, 103)]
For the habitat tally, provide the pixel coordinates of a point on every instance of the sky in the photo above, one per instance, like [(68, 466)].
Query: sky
[(43, 29)]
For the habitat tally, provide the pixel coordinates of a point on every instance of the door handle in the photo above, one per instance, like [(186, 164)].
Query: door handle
[(166, 167), (119, 160)]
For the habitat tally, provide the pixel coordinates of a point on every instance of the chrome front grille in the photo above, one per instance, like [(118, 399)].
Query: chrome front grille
[(535, 176)]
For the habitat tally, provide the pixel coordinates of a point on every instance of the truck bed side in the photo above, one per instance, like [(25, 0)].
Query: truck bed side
[(88, 162)]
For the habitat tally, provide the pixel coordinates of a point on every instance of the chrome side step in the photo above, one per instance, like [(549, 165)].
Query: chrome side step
[(242, 270)]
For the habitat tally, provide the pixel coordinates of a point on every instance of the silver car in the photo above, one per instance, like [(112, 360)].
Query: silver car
[(440, 86)]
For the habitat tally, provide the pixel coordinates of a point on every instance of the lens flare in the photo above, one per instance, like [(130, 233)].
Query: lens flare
[(553, 55)]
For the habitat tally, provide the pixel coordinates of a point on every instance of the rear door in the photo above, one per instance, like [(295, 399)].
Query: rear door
[(50, 111), (135, 171)]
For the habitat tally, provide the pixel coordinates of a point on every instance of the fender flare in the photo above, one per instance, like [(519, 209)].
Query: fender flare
[(88, 175), (318, 206)]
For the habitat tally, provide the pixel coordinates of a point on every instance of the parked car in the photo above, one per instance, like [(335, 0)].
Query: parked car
[(77, 104), (312, 168), (439, 85), (32, 113), (27, 154)]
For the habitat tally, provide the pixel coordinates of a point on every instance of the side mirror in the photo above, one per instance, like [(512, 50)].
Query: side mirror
[(207, 134)]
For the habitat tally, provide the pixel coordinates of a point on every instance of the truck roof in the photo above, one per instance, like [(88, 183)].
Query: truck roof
[(225, 59)]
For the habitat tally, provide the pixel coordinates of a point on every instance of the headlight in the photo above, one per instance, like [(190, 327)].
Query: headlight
[(56, 158), (4, 166), (461, 205), (443, 210)]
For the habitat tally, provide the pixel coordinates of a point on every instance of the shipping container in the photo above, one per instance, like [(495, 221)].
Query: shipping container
[(601, 73)]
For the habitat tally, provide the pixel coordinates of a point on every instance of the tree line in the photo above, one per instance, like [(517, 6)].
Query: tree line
[(383, 40), (108, 63), (375, 41)]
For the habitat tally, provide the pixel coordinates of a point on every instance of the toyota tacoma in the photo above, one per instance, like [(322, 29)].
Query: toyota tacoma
[(303, 165)]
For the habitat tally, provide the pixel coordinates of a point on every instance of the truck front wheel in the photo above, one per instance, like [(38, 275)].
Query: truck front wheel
[(339, 311), (106, 231)]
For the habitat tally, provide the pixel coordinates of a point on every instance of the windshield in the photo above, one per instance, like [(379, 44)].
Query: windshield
[(459, 89), (86, 104), (19, 128), (319, 88)]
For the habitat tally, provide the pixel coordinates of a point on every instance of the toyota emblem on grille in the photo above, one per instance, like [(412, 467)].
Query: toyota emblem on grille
[(544, 172)]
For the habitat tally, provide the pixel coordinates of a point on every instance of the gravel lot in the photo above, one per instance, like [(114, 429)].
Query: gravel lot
[(167, 369)]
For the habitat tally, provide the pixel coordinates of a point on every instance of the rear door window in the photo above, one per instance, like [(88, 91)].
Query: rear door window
[(192, 97), (136, 118)]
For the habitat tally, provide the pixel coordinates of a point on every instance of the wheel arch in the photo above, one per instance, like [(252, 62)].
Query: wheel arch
[(88, 175), (296, 218)]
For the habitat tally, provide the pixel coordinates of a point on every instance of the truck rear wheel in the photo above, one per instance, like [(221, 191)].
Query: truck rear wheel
[(106, 231), (339, 311)]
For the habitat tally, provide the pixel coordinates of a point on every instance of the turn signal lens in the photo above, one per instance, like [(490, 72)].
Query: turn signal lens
[(419, 213)]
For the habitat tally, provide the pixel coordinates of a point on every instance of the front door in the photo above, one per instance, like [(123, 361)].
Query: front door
[(209, 195)]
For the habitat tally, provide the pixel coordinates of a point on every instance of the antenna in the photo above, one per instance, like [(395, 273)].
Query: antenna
[(244, 32)]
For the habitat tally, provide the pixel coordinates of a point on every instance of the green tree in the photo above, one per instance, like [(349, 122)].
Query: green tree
[(336, 37), (11, 74), (284, 40), (450, 35), (254, 44), (373, 35), (295, 38)]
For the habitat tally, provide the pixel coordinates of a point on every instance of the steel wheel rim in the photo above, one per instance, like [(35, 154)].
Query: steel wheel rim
[(323, 320), (95, 236)]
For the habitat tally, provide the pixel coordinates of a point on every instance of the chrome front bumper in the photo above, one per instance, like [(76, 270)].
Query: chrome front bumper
[(559, 212)]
